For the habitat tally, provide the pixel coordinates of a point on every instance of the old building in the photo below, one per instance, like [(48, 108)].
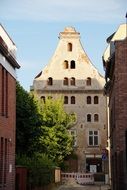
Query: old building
[(8, 64), (70, 74), (115, 64)]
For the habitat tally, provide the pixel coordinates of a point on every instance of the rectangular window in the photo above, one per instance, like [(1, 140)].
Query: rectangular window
[(5, 161), (73, 133), (93, 138), (2, 96), (1, 159), (4, 93), (6, 98)]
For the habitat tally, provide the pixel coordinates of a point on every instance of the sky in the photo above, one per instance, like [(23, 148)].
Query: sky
[(34, 26)]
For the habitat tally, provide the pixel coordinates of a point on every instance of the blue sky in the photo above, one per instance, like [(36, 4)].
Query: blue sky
[(34, 26)]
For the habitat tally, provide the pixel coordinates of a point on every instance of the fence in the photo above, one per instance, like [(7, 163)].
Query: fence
[(80, 178)]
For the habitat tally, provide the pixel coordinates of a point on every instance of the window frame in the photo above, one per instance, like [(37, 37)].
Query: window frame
[(89, 119), (96, 99), (72, 81), (88, 81), (89, 101), (65, 99), (69, 47), (94, 138), (72, 64), (73, 100), (50, 81)]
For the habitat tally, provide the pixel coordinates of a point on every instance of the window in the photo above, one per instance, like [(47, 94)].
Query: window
[(88, 117), (96, 100), (65, 99), (50, 81), (65, 64), (72, 64), (73, 133), (43, 98), (5, 161), (1, 159), (88, 99), (96, 117), (72, 81), (6, 100), (65, 82), (72, 99), (88, 81), (93, 138), (4, 93), (69, 46)]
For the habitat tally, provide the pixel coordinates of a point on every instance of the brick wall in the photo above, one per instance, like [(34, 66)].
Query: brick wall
[(118, 117), (7, 130)]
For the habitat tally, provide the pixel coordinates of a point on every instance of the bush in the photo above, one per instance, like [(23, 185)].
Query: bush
[(40, 167)]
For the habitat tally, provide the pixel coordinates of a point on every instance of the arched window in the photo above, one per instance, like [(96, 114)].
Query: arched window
[(96, 117), (65, 82), (96, 100), (65, 99), (69, 46), (88, 81), (88, 99), (50, 81), (72, 64), (88, 117), (65, 64), (72, 81), (43, 98), (72, 99)]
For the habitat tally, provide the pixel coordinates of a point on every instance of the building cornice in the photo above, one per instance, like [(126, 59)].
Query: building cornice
[(70, 91)]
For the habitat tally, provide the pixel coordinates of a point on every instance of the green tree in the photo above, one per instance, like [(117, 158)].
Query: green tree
[(56, 140), (28, 123)]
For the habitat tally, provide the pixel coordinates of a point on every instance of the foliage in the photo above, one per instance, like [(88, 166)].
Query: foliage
[(42, 127), (40, 169), (28, 122), (56, 140)]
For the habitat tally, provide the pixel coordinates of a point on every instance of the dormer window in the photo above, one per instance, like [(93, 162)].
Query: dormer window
[(72, 64), (50, 81), (65, 64), (69, 46)]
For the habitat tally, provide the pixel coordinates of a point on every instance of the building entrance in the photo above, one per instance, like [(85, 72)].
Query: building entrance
[(94, 165)]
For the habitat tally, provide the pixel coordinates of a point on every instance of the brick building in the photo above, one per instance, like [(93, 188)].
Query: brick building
[(115, 64), (71, 75), (8, 64)]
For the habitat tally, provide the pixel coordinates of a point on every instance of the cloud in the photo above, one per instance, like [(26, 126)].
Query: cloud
[(62, 10)]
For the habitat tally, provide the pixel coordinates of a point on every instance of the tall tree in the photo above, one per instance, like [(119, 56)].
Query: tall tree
[(28, 122), (56, 140)]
